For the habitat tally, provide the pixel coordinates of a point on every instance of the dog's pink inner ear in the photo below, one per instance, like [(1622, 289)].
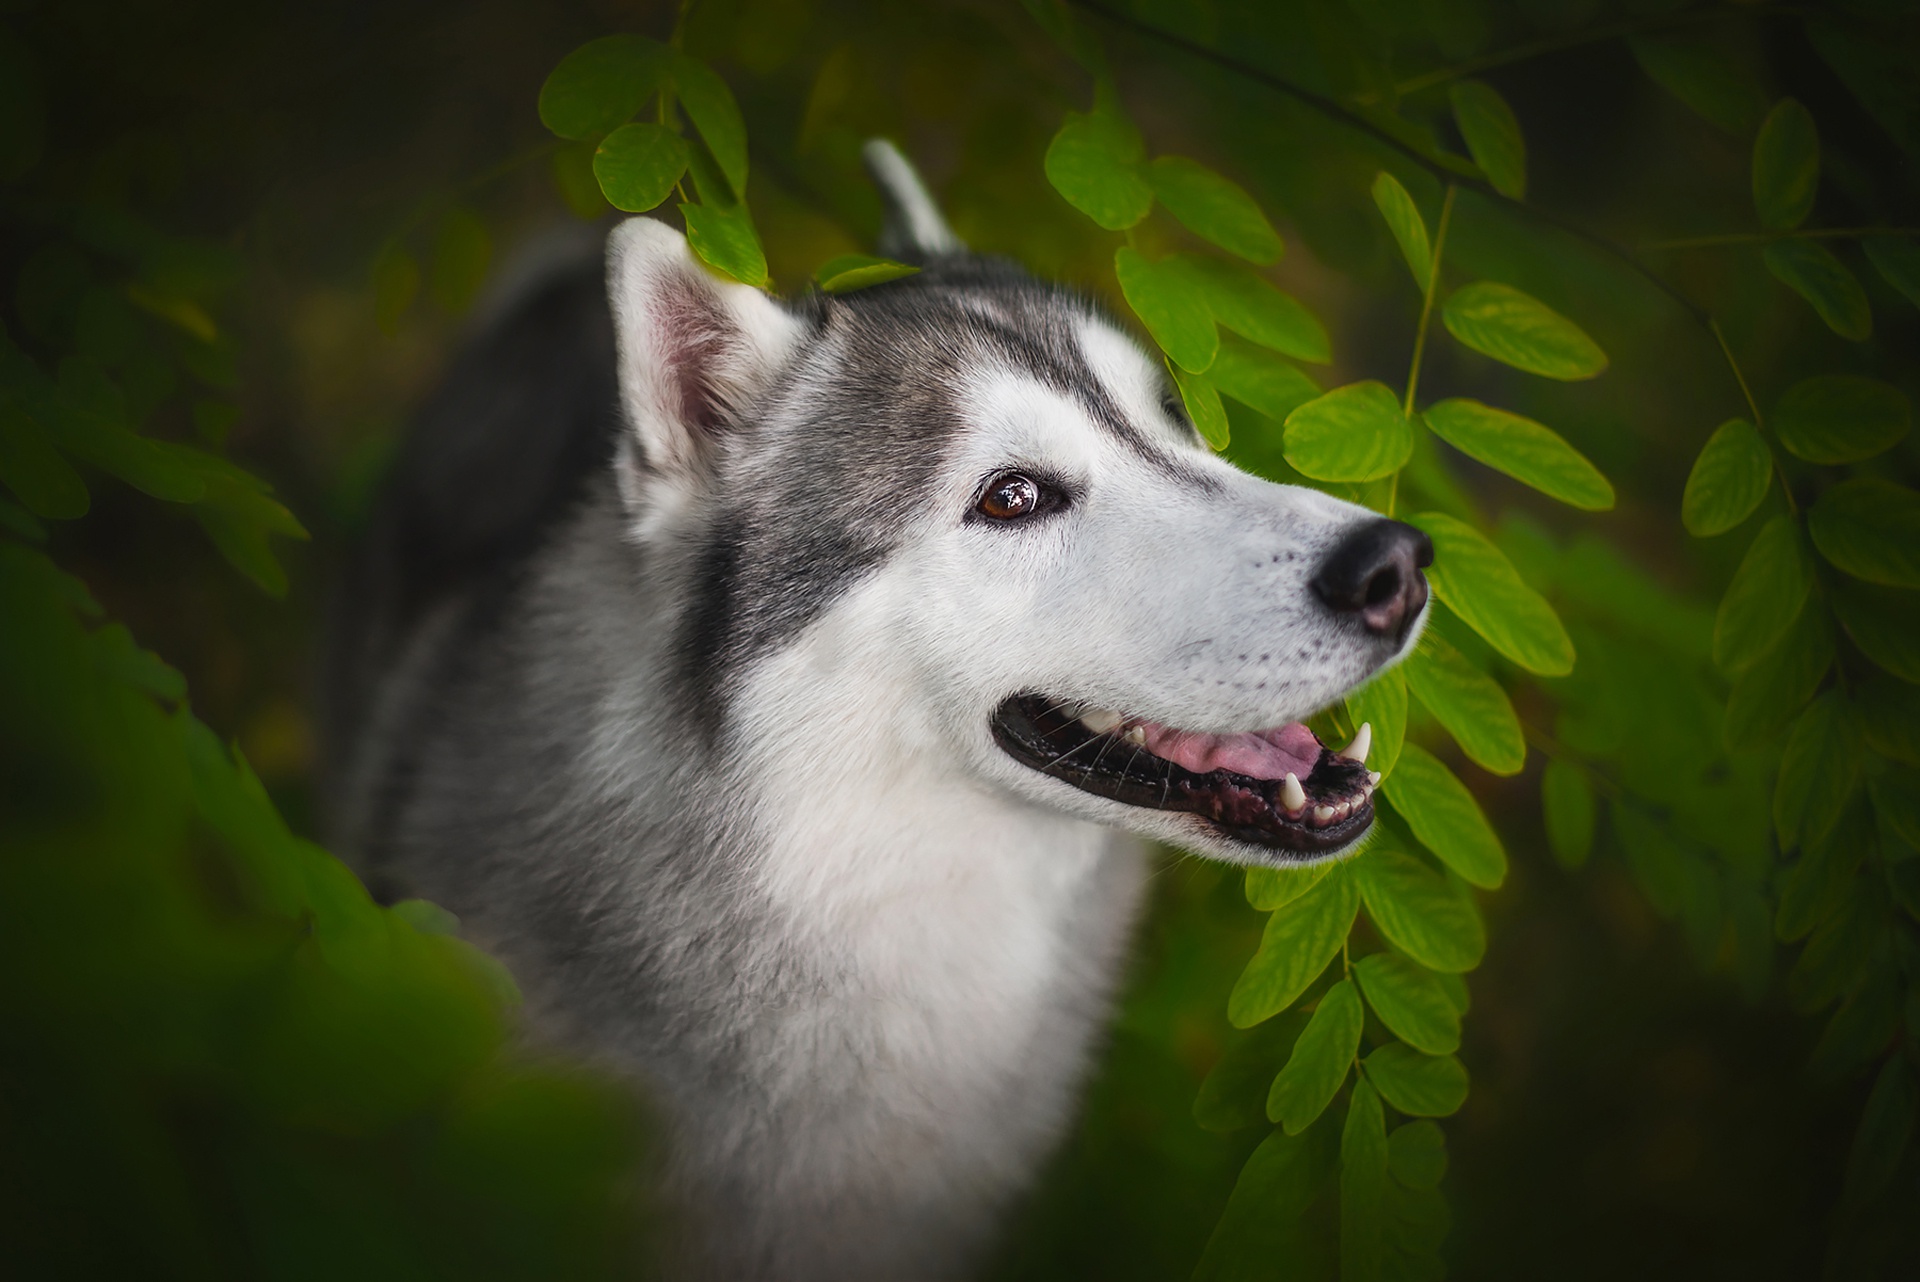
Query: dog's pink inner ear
[(696, 343)]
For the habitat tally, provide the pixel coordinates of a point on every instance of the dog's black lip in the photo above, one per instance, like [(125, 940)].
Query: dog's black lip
[(1037, 732)]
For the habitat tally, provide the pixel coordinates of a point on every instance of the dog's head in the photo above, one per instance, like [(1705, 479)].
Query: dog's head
[(964, 514)]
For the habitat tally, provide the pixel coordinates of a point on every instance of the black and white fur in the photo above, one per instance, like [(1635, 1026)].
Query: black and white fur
[(669, 667)]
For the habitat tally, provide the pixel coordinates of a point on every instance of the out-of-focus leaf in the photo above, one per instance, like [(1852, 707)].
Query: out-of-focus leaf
[(1262, 1221), (1382, 704), (638, 166), (1699, 74), (1812, 271), (1842, 418), (1765, 596), (1418, 1085), (1363, 1187), (1214, 207), (1884, 623), (1469, 703), (1567, 806), (1259, 379), (849, 272), (725, 240), (1479, 584), (1871, 529), (1171, 306), (1531, 453), (1818, 773), (601, 84), (1417, 1154), (1353, 433), (574, 179), (1411, 1001), (1095, 162), (1445, 817), (1860, 1029), (1839, 954), (1423, 914), (1817, 883), (33, 469), (1786, 166), (1770, 692), (1492, 134), (396, 283), (1886, 1124), (461, 252), (1234, 1094), (1298, 942), (1897, 259), (1408, 227), (238, 518), (710, 104), (1518, 329), (1202, 400), (1252, 308), (1320, 1060), (1728, 479)]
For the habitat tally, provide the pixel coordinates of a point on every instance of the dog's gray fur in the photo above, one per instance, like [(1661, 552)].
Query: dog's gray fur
[(657, 670)]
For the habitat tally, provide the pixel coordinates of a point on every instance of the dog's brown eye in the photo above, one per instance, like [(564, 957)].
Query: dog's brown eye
[(1010, 496)]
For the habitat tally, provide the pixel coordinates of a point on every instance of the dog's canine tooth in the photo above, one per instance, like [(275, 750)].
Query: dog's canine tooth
[(1100, 720), (1362, 741), (1292, 795), (1135, 735)]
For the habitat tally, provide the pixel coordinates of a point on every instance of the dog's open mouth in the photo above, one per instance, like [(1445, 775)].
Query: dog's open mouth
[(1281, 789)]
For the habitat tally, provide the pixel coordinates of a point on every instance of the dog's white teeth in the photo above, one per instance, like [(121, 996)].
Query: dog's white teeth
[(1342, 810), (1135, 735), (1292, 795), (1373, 779), (1323, 815), (1362, 741), (1100, 720)]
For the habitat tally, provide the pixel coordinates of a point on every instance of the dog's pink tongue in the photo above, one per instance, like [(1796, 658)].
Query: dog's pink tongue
[(1269, 754)]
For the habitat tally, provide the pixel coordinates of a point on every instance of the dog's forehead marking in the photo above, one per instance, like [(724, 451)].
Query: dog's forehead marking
[(1131, 380)]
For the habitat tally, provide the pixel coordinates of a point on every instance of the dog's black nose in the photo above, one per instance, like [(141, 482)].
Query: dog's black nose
[(1375, 573)]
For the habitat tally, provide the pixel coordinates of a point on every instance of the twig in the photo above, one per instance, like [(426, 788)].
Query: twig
[(1767, 237)]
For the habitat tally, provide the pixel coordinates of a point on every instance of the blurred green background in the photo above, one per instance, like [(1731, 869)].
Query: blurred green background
[(219, 1059)]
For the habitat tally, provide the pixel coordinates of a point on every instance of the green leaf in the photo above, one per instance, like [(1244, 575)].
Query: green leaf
[(1871, 529), (1479, 584), (1896, 802), (1897, 259), (1410, 1000), (1520, 330), (1839, 954), (1298, 942), (1353, 433), (1728, 480), (1095, 162), (1202, 400), (638, 166), (1568, 809), (1786, 166), (710, 104), (726, 242), (1468, 702), (45, 482), (1319, 1062), (1446, 818), (1816, 884), (1770, 692), (1408, 227), (461, 251), (1259, 379), (18, 522), (1886, 1125), (1425, 915), (1700, 75), (1171, 306), (1492, 135), (157, 468), (601, 84), (1363, 1187), (1818, 772), (1382, 703), (238, 518), (1271, 888), (1418, 1085), (1254, 309), (1263, 1218), (1884, 623), (1842, 418), (574, 179), (1417, 1154), (1765, 596), (1529, 452), (1234, 1094), (1811, 271), (1214, 208), (849, 272)]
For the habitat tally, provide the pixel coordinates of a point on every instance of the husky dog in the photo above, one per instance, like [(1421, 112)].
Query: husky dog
[(784, 690)]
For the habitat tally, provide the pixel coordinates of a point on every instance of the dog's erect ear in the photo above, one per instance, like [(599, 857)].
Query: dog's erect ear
[(914, 230), (695, 348)]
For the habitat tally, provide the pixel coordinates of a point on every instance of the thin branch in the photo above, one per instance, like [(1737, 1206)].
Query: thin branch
[(1767, 237), (1426, 303), (1726, 350)]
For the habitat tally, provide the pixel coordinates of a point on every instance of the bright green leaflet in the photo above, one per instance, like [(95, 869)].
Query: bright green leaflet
[(1897, 259), (1353, 433), (1382, 703), (717, 116), (1568, 809), (1480, 585), (1408, 228), (1417, 1154), (1422, 913), (1728, 479), (1319, 1062), (1520, 330), (1446, 818), (1411, 1001), (1271, 888), (1811, 270), (1493, 135), (1764, 597), (1771, 691), (1529, 452), (637, 166), (1786, 166), (1259, 379), (1469, 703), (1416, 1084), (1363, 1187), (1172, 309), (1298, 942), (1253, 308), (1202, 400), (1871, 529), (848, 272), (1094, 161), (1214, 207), (602, 84), (725, 241), (1842, 418)]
